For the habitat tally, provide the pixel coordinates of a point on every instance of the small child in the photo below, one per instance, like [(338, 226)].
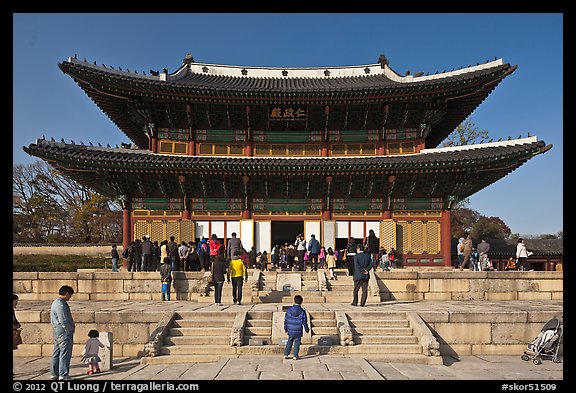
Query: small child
[(294, 320), (90, 352), (166, 278), (264, 261)]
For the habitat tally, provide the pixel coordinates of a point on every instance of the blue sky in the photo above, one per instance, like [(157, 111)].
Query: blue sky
[(529, 200)]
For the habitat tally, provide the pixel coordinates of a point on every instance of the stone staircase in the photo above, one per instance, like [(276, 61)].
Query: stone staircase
[(323, 324), (387, 336), (258, 326), (197, 336), (204, 336), (271, 289), (341, 289)]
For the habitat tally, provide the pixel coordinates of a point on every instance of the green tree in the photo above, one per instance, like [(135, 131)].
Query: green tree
[(490, 227), (467, 133)]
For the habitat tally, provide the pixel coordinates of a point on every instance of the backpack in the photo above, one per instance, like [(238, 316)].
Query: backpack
[(125, 253)]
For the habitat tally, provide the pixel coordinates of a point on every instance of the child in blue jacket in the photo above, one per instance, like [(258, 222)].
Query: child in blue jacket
[(294, 320)]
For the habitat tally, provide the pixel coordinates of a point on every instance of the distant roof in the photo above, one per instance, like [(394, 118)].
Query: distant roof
[(507, 247)]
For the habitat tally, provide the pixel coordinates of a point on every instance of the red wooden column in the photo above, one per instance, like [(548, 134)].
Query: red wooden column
[(445, 237), (126, 231)]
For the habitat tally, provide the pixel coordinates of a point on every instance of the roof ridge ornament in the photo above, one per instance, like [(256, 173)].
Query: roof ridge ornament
[(188, 59), (383, 61)]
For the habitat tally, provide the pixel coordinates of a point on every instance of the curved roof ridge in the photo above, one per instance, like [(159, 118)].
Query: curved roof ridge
[(511, 142)]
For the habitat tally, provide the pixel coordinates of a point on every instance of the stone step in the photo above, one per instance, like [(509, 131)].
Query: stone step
[(368, 339), (258, 331), (178, 359), (197, 340), (385, 348), (354, 316), (324, 330), (211, 331), (278, 350), (322, 322), (259, 322), (188, 323), (197, 349), (287, 299), (381, 331), (316, 314), (382, 323), (209, 315), (266, 337), (259, 314), (405, 358)]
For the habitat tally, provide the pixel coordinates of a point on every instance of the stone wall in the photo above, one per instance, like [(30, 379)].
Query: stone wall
[(469, 285), (89, 284), (87, 250)]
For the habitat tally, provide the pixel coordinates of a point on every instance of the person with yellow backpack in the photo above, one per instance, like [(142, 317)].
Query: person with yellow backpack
[(238, 272)]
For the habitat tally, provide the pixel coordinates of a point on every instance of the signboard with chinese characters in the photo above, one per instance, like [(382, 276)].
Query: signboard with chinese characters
[(287, 113)]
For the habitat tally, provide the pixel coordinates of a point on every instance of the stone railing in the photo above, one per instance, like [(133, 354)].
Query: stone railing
[(344, 330), (237, 334), (430, 346), (156, 339)]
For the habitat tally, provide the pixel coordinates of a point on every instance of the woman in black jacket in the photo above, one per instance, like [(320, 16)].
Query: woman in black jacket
[(219, 271)]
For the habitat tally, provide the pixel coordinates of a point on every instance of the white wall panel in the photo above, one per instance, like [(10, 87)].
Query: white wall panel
[(263, 236), (375, 226), (342, 229), (246, 233), (329, 234), (311, 228), (357, 229), (217, 227), (201, 229), (232, 226)]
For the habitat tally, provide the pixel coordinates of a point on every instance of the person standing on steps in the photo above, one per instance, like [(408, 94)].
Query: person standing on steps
[(115, 258), (350, 254), (219, 270), (295, 320), (300, 245), (166, 277), (466, 250), (238, 272), (362, 266)]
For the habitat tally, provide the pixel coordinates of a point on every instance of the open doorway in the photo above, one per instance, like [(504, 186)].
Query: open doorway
[(286, 231)]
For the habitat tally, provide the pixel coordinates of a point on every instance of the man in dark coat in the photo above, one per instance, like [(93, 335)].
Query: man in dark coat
[(294, 320), (362, 265)]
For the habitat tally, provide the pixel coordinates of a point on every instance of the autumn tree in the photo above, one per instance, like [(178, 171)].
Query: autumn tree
[(49, 207)]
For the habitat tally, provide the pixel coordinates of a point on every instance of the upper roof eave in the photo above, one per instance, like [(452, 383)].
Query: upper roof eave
[(195, 75)]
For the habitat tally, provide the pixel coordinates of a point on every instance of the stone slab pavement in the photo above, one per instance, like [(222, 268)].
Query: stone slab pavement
[(311, 367)]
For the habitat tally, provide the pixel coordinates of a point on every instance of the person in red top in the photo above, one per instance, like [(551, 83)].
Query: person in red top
[(215, 245)]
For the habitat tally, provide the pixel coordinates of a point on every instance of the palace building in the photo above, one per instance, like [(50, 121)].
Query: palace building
[(269, 153)]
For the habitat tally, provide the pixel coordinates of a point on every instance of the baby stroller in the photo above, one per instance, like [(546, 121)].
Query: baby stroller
[(546, 345)]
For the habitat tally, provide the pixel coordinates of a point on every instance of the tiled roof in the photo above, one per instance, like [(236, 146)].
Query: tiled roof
[(220, 82), (456, 172), (464, 157)]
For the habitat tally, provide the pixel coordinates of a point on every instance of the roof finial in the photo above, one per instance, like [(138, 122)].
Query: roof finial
[(383, 60), (188, 59)]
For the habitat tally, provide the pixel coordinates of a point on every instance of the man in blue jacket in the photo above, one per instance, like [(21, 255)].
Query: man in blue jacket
[(362, 266), (294, 320), (314, 250)]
